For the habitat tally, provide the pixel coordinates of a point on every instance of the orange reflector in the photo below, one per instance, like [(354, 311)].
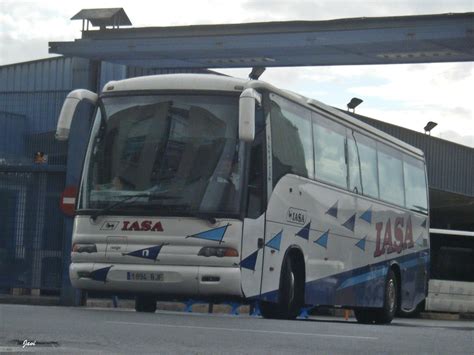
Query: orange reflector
[(231, 252), (84, 248)]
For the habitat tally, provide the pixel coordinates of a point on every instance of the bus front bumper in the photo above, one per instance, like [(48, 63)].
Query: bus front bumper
[(167, 280)]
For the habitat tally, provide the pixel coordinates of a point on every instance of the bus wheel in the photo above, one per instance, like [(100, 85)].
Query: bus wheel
[(289, 300), (386, 314), (413, 313), (290, 290), (365, 316), (145, 304), (270, 310)]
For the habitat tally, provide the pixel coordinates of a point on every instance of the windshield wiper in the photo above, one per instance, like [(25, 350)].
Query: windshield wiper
[(205, 216), (156, 196), (182, 209), (151, 197), (115, 205)]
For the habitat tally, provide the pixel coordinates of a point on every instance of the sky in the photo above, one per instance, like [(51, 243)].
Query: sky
[(406, 95)]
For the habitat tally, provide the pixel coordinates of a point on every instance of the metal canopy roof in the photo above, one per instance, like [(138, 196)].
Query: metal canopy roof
[(104, 17), (382, 40)]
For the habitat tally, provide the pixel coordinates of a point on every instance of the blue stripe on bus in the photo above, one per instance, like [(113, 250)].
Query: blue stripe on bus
[(371, 275), (358, 287), (410, 263)]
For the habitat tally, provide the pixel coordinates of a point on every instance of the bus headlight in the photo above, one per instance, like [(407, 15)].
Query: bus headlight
[(218, 251)]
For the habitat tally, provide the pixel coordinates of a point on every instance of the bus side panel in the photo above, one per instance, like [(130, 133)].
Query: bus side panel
[(303, 214), (288, 224), (349, 242)]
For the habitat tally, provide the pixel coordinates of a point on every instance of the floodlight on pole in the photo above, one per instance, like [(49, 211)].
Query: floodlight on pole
[(354, 103), (256, 73), (429, 126)]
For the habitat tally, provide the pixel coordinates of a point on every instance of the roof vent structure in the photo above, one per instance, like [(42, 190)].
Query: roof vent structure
[(102, 18)]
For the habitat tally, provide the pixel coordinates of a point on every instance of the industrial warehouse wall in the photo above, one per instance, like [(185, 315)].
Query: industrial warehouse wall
[(31, 224), (34, 234)]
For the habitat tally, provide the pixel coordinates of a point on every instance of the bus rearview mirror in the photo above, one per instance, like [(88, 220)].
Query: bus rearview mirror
[(248, 99), (69, 109)]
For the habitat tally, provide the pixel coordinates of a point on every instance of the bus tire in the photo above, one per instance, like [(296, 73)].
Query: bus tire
[(413, 313), (270, 310), (386, 314), (290, 291), (364, 316), (145, 303), (289, 300)]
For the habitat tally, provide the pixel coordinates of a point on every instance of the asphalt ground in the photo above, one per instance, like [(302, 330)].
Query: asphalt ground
[(50, 329)]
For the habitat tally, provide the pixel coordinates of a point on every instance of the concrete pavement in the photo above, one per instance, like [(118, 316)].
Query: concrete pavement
[(104, 331)]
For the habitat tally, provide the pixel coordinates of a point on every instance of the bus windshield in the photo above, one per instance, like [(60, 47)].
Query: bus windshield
[(164, 154)]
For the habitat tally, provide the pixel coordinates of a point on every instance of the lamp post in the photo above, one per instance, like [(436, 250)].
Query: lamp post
[(256, 73), (429, 126), (354, 103)]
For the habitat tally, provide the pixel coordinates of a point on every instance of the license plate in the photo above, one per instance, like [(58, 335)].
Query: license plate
[(144, 276)]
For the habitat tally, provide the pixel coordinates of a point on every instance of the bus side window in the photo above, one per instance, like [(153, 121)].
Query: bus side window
[(368, 165), (353, 165), (415, 184), (292, 143), (329, 151), (390, 172)]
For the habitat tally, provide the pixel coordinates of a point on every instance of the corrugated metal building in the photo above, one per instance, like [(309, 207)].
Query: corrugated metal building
[(35, 168), (31, 225)]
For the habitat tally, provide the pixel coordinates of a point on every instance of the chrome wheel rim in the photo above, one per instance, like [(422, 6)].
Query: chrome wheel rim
[(391, 295), (292, 286)]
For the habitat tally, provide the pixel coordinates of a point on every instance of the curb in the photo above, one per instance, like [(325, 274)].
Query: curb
[(196, 307), (168, 306), (469, 316), (440, 316), (30, 300)]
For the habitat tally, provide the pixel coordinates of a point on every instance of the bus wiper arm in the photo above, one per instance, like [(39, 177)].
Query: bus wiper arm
[(156, 197), (184, 209), (205, 216), (116, 204)]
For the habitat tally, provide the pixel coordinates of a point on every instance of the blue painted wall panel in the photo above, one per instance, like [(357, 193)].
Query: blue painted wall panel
[(36, 90), (12, 137), (31, 96), (110, 71)]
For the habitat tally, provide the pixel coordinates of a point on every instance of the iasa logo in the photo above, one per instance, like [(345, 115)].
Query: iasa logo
[(143, 226), (295, 215), (396, 237)]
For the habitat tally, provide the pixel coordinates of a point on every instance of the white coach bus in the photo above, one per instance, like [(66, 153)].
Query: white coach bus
[(212, 187)]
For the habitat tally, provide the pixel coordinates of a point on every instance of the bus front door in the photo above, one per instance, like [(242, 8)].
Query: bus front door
[(252, 256)]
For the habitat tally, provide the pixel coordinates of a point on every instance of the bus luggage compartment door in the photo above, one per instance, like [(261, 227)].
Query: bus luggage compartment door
[(115, 248)]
